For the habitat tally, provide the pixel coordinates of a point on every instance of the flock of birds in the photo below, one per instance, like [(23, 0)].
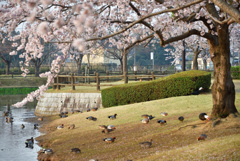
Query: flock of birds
[(108, 128)]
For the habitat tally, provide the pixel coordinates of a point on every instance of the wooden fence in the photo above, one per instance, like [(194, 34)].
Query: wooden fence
[(71, 80)]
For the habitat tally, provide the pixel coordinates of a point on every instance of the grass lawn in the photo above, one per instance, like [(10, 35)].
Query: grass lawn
[(21, 81), (174, 141)]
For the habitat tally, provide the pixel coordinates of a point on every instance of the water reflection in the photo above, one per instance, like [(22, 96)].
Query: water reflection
[(12, 136)]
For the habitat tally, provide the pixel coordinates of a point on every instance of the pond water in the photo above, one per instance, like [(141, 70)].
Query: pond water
[(12, 136)]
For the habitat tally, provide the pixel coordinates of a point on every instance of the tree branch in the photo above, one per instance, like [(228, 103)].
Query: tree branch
[(233, 12), (138, 41)]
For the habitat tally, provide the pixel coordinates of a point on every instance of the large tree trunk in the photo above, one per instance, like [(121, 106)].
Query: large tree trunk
[(195, 63), (125, 70), (223, 89)]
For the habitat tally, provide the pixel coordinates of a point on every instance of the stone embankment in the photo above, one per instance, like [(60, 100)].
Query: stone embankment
[(54, 103)]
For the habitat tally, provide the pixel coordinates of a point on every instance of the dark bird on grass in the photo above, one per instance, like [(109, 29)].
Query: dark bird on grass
[(146, 144), (48, 151), (203, 117), (91, 118), (76, 150), (106, 131), (111, 127), (151, 117), (112, 117), (60, 126), (71, 126), (145, 120), (88, 109), (94, 109), (181, 118), (109, 140), (22, 126), (197, 92), (164, 113), (64, 116), (162, 122), (202, 137)]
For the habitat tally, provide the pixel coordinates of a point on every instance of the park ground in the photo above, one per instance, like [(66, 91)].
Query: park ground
[(174, 141)]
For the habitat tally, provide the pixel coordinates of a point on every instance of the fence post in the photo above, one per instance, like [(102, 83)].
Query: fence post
[(83, 78), (98, 82), (73, 87), (135, 73), (58, 87), (107, 73), (153, 77)]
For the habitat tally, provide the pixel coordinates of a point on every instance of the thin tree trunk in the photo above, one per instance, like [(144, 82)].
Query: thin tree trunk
[(183, 57), (37, 70), (7, 67), (125, 70), (204, 64), (223, 89), (121, 62), (79, 66)]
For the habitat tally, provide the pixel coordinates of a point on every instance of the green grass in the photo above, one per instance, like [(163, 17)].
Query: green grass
[(21, 81), (169, 142)]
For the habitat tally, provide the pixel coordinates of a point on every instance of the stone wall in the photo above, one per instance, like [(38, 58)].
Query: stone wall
[(54, 103)]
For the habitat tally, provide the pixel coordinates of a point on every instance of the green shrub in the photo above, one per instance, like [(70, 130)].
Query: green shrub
[(179, 84), (235, 72)]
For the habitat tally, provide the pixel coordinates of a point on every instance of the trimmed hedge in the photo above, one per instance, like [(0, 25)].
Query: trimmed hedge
[(17, 90), (179, 84), (235, 72)]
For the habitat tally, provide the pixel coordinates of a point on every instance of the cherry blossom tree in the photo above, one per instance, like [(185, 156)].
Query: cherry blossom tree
[(79, 23)]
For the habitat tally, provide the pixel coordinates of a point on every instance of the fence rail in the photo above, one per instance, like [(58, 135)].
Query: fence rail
[(66, 80)]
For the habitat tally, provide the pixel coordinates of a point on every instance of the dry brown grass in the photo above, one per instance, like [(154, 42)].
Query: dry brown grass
[(223, 142)]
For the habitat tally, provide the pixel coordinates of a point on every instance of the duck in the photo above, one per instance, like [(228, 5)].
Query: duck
[(103, 127), (64, 116), (60, 126), (106, 131), (35, 126), (78, 111), (111, 127), (109, 140), (94, 109), (146, 116), (22, 126), (72, 111), (112, 117), (88, 109), (164, 113), (40, 119), (29, 142), (202, 137), (48, 151), (151, 117), (203, 117), (181, 118), (145, 120), (9, 119), (197, 92), (5, 113), (146, 144), (162, 122), (71, 126), (76, 150), (91, 118)]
